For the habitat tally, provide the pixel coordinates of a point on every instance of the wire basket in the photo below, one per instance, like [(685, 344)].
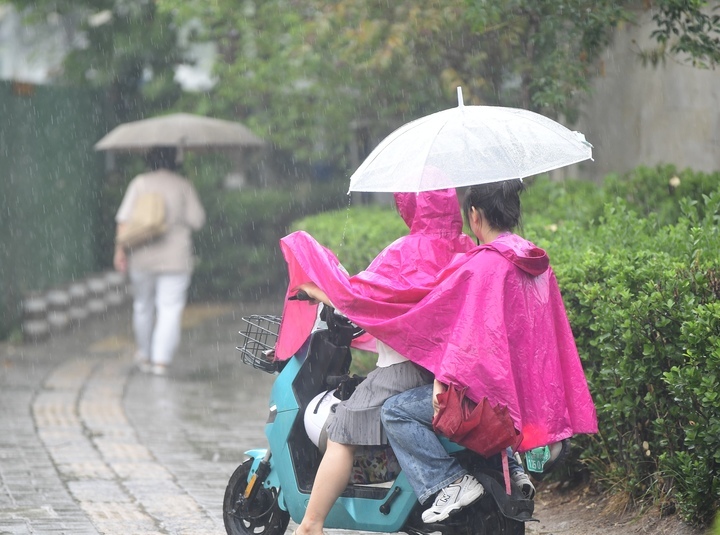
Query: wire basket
[(259, 337)]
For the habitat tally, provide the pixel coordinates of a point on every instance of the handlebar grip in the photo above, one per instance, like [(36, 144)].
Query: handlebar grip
[(300, 296)]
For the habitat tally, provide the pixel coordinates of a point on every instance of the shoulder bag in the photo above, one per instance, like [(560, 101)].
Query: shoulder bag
[(146, 223)]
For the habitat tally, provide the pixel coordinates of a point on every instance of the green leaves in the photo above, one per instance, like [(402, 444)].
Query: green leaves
[(640, 281), (690, 27)]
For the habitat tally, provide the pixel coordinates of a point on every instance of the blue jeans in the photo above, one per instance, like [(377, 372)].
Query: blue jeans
[(407, 419)]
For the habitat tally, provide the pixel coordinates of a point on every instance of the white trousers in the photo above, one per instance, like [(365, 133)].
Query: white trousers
[(158, 303)]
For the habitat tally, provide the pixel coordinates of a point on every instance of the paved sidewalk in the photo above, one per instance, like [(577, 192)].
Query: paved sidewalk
[(89, 445)]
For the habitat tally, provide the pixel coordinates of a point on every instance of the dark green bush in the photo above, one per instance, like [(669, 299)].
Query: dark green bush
[(650, 191), (561, 202), (357, 234), (635, 291), (238, 249)]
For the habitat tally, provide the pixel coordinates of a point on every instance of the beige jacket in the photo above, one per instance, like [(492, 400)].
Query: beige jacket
[(184, 213)]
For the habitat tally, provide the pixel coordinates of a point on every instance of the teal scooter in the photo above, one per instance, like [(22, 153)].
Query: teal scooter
[(273, 485)]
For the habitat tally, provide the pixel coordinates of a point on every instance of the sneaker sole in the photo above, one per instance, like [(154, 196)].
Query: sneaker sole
[(468, 499)]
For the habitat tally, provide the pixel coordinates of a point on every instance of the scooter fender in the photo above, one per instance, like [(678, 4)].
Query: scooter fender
[(257, 455)]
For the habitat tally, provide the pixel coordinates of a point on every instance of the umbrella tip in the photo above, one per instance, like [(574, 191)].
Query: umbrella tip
[(460, 97)]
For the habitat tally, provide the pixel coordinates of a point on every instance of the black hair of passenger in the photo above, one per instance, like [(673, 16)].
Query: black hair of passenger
[(499, 202), (161, 158)]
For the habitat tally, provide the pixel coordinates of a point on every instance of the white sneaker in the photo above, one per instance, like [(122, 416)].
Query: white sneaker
[(522, 480), (454, 497)]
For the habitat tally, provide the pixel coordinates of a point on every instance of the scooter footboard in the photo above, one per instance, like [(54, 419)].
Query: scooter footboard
[(386, 511), (365, 508)]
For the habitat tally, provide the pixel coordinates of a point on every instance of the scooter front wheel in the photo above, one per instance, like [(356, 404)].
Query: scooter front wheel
[(262, 516)]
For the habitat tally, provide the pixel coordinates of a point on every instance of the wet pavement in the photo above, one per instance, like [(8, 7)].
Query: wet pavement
[(90, 445)]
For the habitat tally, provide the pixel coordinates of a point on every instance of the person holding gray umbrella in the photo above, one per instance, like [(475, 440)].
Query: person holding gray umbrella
[(160, 268)]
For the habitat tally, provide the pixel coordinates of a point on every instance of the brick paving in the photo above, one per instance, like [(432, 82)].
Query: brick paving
[(89, 445)]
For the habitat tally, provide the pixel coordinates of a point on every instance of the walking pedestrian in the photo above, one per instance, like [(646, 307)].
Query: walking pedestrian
[(160, 269)]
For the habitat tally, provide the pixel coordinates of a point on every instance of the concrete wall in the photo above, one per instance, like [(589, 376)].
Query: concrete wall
[(646, 116)]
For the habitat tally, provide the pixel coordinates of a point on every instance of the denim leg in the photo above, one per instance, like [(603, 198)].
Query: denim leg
[(513, 466), (407, 419)]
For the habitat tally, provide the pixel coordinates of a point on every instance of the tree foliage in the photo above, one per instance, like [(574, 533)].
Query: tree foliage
[(125, 46), (689, 28), (318, 77)]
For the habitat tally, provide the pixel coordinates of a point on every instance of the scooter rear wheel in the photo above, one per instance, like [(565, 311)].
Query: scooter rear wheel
[(261, 517)]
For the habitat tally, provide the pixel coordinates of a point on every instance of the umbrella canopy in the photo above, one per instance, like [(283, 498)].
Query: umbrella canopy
[(180, 130), (468, 145)]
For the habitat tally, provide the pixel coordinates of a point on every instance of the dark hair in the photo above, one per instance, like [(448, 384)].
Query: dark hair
[(499, 202), (161, 158)]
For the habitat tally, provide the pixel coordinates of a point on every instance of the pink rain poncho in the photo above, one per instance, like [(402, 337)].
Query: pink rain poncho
[(398, 278), (494, 321)]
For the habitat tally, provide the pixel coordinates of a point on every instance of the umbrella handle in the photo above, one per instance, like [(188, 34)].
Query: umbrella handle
[(180, 156)]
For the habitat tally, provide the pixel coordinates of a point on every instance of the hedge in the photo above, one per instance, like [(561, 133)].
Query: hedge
[(237, 249), (638, 263)]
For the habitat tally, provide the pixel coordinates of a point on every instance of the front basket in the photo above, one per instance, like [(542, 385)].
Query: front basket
[(259, 337)]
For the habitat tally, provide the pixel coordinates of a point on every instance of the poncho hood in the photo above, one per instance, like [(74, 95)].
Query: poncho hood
[(430, 213), (522, 253)]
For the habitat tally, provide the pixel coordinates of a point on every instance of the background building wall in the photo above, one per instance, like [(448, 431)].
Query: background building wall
[(642, 115)]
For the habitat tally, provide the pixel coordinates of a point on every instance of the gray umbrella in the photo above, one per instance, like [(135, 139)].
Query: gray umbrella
[(180, 130)]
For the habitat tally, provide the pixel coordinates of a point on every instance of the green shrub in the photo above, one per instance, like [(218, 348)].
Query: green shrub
[(558, 203), (696, 393), (238, 248), (650, 192), (641, 300)]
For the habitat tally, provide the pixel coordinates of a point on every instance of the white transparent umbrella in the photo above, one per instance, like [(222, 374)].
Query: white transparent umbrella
[(468, 145)]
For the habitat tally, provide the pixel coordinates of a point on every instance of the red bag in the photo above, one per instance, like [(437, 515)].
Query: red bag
[(479, 427)]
